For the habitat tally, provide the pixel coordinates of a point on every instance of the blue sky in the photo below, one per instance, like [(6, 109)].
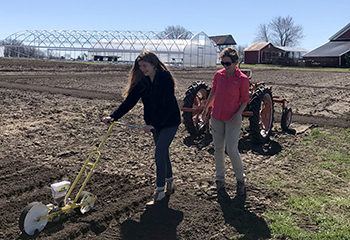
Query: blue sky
[(320, 19)]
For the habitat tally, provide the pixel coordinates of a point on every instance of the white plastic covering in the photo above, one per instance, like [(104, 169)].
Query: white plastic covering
[(199, 51), (2, 50), (120, 46)]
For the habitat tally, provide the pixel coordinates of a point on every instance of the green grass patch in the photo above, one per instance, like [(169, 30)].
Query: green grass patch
[(337, 156), (326, 165), (333, 137), (347, 132), (345, 174), (283, 154), (317, 200), (333, 141), (269, 183), (308, 218), (282, 225), (275, 183), (307, 205), (317, 133)]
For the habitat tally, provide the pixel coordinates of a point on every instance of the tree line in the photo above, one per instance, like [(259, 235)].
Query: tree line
[(14, 48)]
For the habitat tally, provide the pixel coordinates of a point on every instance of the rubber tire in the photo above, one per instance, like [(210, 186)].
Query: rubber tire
[(191, 93), (284, 124), (254, 106), (24, 215), (80, 200)]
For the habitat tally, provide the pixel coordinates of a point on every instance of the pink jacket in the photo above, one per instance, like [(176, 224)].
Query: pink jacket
[(230, 93)]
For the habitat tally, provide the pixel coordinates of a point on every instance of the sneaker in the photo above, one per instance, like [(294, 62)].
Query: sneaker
[(241, 191), (169, 186), (220, 185), (158, 196)]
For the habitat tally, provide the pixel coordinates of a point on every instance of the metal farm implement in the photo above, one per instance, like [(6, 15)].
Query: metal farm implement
[(36, 215), (260, 110)]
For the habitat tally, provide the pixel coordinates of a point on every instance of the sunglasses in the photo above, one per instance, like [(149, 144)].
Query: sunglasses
[(226, 63)]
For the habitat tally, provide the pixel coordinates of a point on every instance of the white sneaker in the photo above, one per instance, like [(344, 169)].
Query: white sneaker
[(159, 195)]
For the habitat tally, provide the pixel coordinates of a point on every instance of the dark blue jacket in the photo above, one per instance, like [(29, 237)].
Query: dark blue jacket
[(158, 97)]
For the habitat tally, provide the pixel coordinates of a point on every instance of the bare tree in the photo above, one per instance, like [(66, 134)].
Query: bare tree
[(14, 48), (240, 50), (284, 32), (176, 32), (263, 34), (280, 31)]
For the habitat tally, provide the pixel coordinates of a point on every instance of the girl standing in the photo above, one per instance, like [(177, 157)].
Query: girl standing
[(230, 93)]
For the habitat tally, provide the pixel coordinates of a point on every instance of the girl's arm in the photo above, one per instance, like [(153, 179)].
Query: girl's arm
[(209, 101)]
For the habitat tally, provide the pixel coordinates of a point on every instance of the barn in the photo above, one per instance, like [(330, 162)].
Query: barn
[(335, 53), (267, 53), (261, 52)]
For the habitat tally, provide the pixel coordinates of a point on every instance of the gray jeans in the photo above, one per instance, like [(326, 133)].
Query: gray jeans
[(227, 133)]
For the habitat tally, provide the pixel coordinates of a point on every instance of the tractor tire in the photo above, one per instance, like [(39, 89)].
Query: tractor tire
[(261, 104), (196, 96)]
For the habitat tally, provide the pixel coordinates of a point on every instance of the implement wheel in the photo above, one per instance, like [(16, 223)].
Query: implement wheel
[(87, 199), (29, 220), (261, 122), (286, 119), (195, 98)]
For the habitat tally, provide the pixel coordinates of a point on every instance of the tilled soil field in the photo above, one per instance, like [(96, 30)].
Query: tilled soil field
[(50, 122)]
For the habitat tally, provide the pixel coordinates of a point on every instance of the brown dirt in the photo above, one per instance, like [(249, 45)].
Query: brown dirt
[(50, 115)]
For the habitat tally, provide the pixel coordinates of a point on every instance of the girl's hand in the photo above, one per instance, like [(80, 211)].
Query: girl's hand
[(148, 128), (237, 116), (205, 111), (107, 120)]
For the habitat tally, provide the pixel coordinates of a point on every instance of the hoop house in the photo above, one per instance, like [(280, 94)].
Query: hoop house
[(118, 46)]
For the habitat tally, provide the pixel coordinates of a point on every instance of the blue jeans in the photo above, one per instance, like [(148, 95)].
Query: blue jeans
[(163, 139)]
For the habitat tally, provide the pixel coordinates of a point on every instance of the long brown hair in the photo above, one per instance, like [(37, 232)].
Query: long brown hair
[(135, 74)]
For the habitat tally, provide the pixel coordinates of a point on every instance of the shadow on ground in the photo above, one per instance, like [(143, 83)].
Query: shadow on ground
[(268, 148), (155, 223), (200, 141), (245, 144), (245, 222)]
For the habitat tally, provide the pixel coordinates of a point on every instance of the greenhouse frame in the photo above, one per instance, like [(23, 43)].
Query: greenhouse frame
[(112, 46)]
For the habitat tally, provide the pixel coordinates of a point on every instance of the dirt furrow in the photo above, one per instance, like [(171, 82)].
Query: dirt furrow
[(89, 94), (343, 122), (297, 85)]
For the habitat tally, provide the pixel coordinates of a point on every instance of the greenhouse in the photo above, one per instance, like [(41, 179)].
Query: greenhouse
[(113, 46)]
